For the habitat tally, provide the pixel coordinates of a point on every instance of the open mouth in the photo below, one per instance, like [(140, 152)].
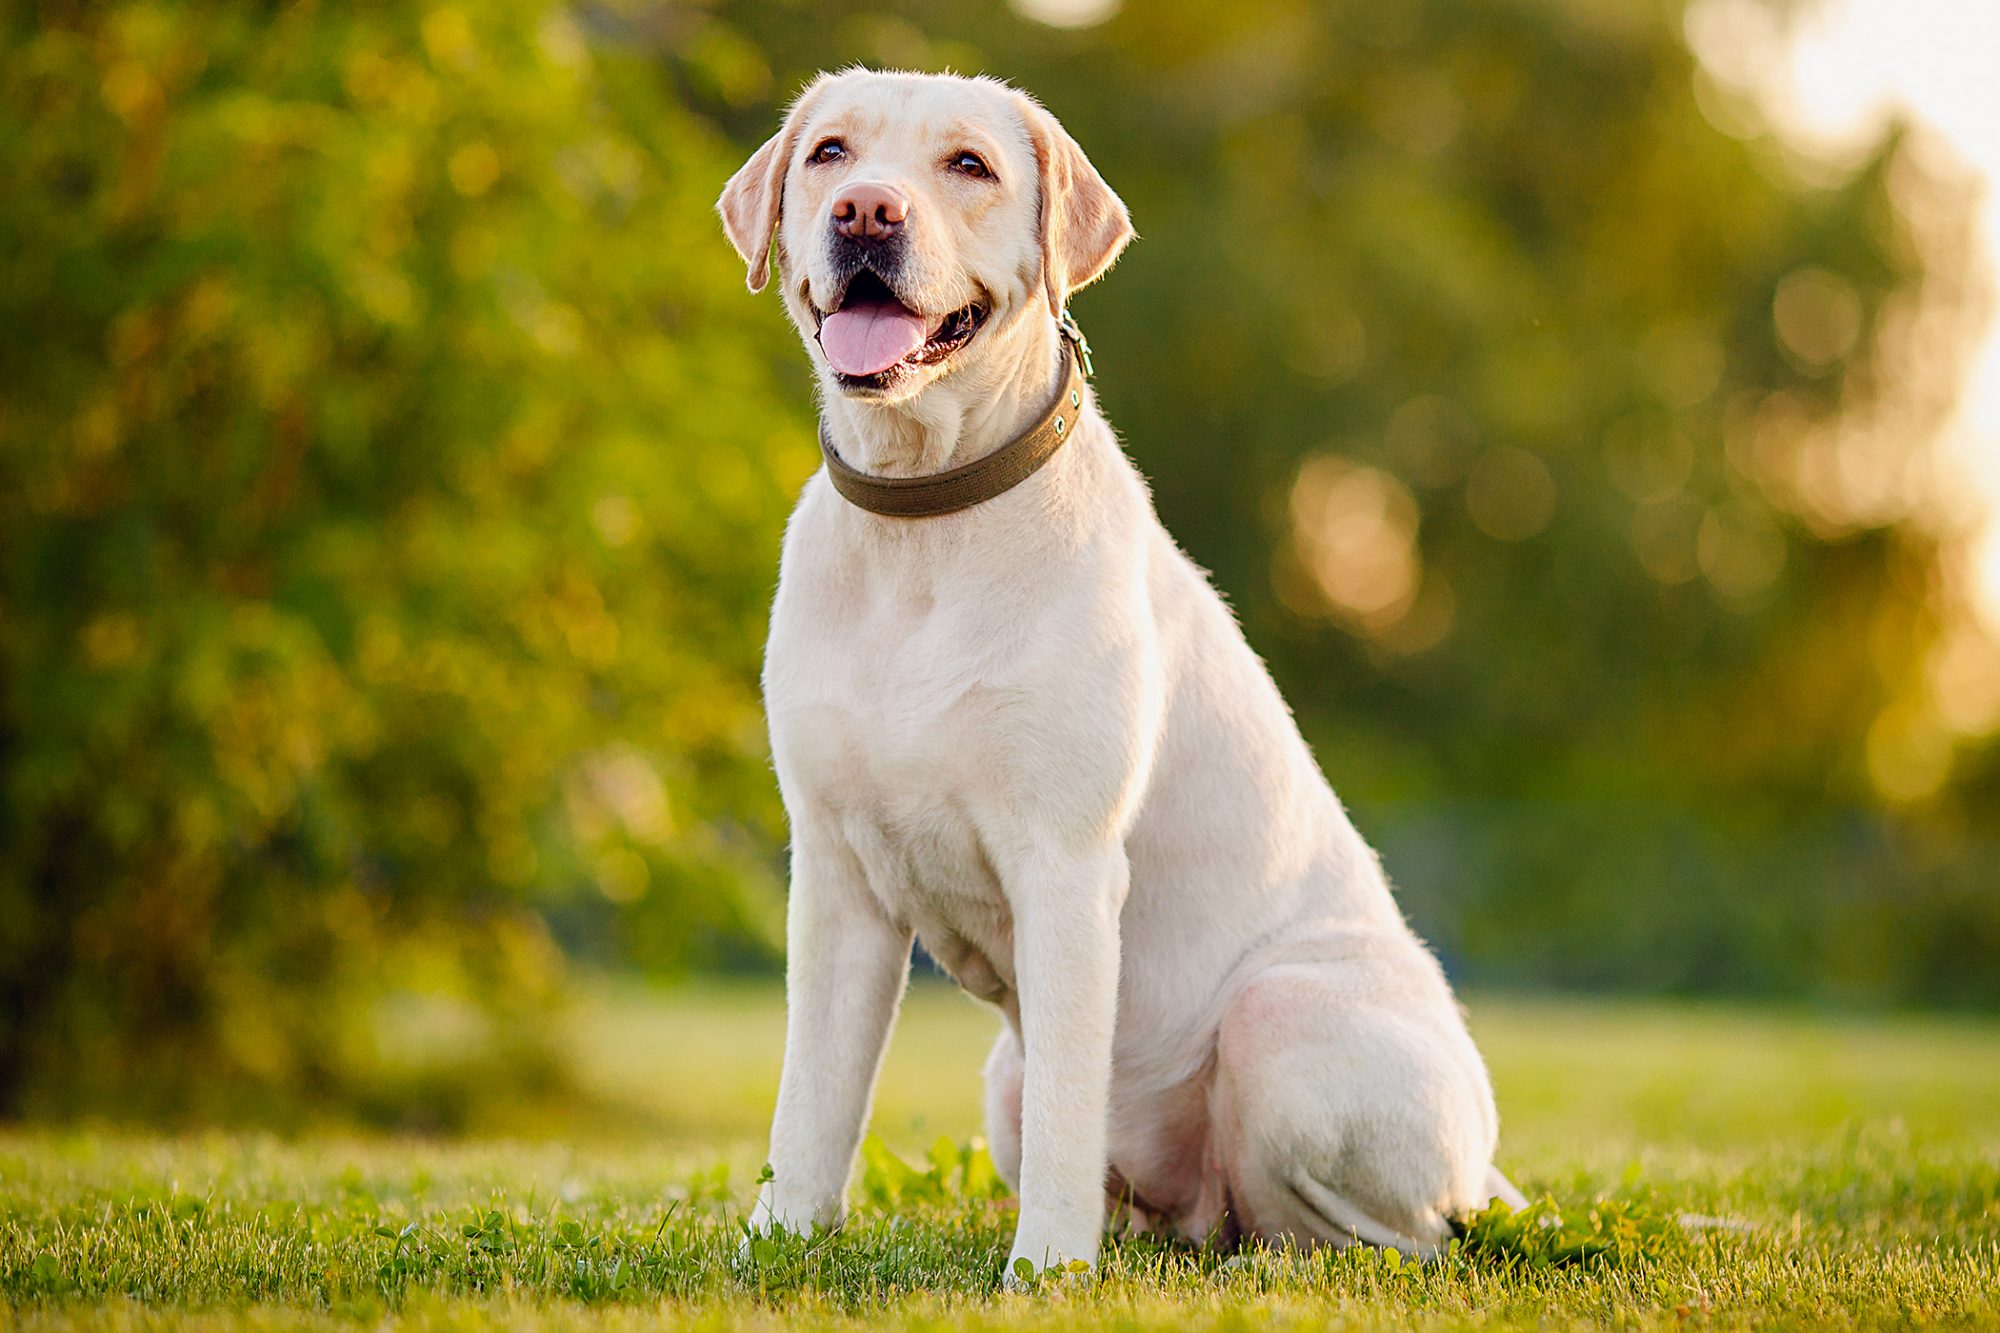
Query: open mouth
[(871, 338)]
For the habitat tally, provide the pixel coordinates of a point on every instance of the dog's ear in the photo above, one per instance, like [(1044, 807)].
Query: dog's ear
[(1084, 224), (754, 199)]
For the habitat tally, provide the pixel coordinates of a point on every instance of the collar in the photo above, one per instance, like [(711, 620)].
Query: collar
[(983, 478)]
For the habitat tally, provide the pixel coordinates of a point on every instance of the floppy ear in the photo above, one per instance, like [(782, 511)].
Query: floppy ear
[(753, 201), (1084, 225)]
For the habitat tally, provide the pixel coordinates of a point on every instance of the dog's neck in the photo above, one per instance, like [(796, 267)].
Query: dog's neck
[(962, 417)]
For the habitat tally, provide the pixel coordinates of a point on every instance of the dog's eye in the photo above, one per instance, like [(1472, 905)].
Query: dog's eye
[(832, 150), (971, 164)]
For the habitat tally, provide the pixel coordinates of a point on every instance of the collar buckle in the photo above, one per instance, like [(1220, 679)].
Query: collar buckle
[(1067, 326)]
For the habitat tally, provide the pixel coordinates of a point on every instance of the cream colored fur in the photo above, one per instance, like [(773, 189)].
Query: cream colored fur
[(1031, 735)]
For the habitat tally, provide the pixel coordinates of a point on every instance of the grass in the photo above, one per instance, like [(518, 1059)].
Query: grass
[(1857, 1162)]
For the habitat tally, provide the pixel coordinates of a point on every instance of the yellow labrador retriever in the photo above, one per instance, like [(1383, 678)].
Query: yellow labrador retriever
[(1010, 718)]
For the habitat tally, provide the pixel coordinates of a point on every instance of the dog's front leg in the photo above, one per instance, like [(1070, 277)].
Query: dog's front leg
[(845, 968), (1066, 959)]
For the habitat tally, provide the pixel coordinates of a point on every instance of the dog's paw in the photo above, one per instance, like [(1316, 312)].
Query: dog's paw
[(777, 1252), (774, 1230), (775, 1212), (1022, 1275)]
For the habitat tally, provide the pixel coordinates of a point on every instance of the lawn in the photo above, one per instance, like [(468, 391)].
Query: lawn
[(1853, 1163)]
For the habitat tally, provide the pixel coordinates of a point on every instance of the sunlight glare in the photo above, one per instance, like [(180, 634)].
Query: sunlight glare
[(1832, 84)]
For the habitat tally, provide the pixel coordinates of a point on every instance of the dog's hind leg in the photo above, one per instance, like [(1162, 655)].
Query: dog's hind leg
[(1003, 1105), (1355, 1108)]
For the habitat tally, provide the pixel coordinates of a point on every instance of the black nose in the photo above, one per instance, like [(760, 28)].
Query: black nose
[(869, 212)]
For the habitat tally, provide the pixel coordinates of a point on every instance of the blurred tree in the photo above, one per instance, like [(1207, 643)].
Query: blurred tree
[(391, 470), (390, 485)]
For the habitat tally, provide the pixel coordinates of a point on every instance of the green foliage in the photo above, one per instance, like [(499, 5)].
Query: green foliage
[(392, 469), (389, 496), (1544, 1234), (957, 1174)]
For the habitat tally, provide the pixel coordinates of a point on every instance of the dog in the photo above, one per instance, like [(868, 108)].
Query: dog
[(1017, 723)]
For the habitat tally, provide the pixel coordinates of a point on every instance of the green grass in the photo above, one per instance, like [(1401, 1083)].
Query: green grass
[(1856, 1160)]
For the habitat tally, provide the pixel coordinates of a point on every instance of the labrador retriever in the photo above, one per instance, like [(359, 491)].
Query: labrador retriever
[(1023, 728)]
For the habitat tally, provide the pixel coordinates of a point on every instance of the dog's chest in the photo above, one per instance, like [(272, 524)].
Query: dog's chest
[(888, 719)]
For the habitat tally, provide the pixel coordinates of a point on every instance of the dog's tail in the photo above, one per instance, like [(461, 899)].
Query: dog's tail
[(1501, 1188)]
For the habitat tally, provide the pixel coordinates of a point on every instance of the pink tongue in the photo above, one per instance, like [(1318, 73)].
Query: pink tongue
[(867, 337)]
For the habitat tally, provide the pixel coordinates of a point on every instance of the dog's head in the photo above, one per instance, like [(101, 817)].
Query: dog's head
[(915, 218)]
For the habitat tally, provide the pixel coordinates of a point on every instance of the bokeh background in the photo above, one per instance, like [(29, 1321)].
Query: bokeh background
[(392, 467)]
